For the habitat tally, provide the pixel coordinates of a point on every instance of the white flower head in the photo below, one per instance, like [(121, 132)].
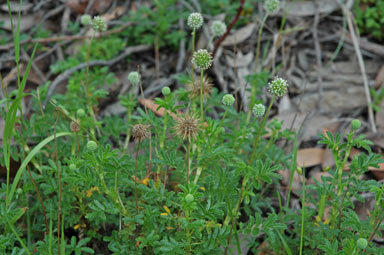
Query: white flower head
[(195, 20)]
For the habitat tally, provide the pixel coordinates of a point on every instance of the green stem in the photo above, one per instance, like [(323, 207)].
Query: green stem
[(129, 113), (188, 160), (201, 96), (261, 127), (193, 40), (341, 167)]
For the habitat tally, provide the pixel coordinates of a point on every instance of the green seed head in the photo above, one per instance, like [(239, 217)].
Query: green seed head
[(166, 91), (218, 28), (201, 60), (228, 100), (356, 124), (91, 146), (189, 198), (99, 24), (134, 78), (80, 113), (278, 87), (272, 6), (195, 20), (86, 20), (362, 243), (72, 166), (258, 110)]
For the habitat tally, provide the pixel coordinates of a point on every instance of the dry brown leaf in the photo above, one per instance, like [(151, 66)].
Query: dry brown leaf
[(378, 172), (310, 157), (309, 8), (150, 104), (240, 35), (26, 22)]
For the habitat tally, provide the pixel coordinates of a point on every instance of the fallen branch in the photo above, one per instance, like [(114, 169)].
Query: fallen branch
[(65, 38)]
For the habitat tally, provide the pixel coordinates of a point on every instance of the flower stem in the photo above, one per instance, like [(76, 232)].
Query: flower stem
[(201, 96), (260, 130)]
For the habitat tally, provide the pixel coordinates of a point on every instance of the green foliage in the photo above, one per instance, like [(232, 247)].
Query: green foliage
[(370, 17)]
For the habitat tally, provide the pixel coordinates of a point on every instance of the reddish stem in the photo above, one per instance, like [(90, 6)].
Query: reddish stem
[(233, 22)]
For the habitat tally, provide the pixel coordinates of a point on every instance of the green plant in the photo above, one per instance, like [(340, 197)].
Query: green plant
[(369, 17)]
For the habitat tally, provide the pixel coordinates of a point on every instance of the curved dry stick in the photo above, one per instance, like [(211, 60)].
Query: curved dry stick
[(233, 22)]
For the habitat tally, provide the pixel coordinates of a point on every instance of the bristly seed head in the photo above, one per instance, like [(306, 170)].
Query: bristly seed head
[(99, 24), (258, 110), (134, 78), (278, 87), (272, 6), (193, 87), (202, 60), (228, 100), (218, 28), (187, 126), (195, 20), (140, 132), (74, 126)]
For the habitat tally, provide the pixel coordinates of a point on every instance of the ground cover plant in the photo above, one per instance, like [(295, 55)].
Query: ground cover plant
[(194, 170)]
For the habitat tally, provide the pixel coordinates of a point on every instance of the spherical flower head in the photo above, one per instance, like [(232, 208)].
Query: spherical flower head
[(140, 132), (99, 24), (278, 87), (80, 113), (72, 166), (228, 100), (166, 91), (356, 124), (134, 78), (362, 243), (202, 60), (272, 6), (218, 28), (91, 145), (195, 20), (258, 110), (189, 198), (86, 20)]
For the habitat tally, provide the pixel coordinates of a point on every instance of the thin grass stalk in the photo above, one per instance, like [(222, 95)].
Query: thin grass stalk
[(302, 214), (59, 185)]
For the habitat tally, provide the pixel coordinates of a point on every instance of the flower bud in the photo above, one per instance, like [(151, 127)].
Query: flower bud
[(91, 146), (189, 198), (362, 243), (166, 91), (80, 113), (356, 124), (228, 100)]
